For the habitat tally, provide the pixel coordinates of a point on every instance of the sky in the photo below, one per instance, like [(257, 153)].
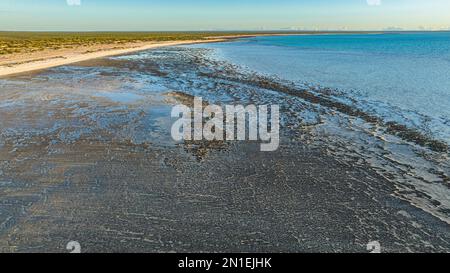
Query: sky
[(185, 15)]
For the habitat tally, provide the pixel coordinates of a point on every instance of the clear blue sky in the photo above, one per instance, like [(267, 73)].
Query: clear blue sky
[(153, 15)]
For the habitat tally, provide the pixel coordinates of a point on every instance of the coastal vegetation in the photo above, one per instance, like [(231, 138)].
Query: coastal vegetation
[(24, 42), (27, 42)]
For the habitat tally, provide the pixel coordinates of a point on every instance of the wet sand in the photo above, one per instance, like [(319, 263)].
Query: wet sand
[(98, 166)]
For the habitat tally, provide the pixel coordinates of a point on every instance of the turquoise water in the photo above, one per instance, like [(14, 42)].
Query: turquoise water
[(403, 76)]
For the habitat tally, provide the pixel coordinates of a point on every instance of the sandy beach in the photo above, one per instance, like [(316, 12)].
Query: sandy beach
[(20, 63)]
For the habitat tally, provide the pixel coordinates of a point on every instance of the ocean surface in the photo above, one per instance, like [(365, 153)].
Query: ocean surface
[(403, 77)]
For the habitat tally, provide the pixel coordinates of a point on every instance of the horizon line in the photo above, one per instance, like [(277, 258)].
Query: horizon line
[(241, 31)]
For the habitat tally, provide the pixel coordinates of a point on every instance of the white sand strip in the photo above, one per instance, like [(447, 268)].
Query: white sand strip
[(74, 58)]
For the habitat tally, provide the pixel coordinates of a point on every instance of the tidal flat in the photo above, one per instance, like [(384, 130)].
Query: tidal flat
[(86, 155)]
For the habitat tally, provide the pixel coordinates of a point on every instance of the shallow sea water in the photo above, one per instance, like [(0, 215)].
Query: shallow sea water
[(400, 77)]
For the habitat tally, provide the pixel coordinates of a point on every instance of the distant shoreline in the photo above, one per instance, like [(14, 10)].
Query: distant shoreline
[(14, 64)]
